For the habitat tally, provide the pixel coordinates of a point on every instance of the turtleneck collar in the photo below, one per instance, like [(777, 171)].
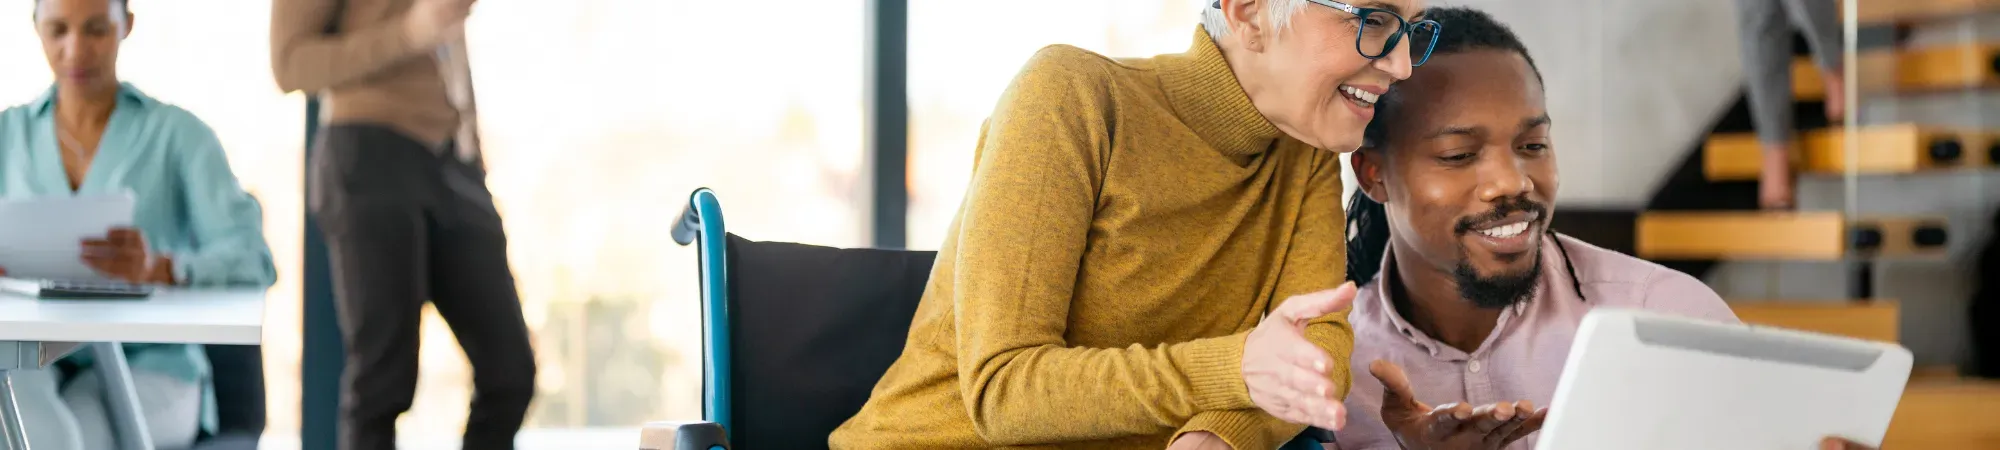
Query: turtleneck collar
[(1206, 95)]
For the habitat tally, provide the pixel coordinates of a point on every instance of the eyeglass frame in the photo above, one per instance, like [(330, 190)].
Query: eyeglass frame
[(1404, 27)]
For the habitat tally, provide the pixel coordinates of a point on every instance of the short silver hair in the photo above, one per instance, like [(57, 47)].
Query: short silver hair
[(1277, 14)]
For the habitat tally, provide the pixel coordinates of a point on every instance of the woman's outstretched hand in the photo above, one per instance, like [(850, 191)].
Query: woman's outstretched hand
[(1288, 375)]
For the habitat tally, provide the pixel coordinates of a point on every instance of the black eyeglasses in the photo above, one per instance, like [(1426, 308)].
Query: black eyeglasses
[(1382, 29)]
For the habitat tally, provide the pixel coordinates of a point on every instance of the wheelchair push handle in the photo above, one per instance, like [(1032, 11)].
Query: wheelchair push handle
[(688, 226)]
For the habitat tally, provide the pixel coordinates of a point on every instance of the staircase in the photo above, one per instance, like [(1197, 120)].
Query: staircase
[(1707, 213), (1884, 150)]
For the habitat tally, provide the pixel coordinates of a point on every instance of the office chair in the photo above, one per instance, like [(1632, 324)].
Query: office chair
[(794, 336), (238, 376), (239, 397)]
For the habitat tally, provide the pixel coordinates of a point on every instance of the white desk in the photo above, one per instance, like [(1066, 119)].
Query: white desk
[(35, 333)]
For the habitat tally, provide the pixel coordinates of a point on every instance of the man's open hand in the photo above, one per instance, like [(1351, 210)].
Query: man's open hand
[(1455, 426), (1287, 375)]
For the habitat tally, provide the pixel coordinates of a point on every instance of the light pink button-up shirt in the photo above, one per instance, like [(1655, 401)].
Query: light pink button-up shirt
[(1523, 358)]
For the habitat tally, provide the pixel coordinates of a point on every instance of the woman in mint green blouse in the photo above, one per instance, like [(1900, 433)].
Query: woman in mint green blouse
[(91, 134)]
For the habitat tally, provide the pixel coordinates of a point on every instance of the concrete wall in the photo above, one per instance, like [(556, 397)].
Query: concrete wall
[(1631, 85)]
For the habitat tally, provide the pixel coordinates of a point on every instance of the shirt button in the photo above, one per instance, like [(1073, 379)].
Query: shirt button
[(1474, 366)]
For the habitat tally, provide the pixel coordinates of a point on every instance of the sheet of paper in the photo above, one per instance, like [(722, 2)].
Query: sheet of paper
[(42, 238)]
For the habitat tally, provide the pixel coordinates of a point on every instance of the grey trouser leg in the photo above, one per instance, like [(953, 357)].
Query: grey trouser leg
[(1767, 55)]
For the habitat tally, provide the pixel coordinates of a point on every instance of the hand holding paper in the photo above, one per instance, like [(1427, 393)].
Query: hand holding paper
[(122, 254), (42, 238)]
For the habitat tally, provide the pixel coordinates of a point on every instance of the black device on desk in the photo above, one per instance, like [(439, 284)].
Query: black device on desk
[(76, 290)]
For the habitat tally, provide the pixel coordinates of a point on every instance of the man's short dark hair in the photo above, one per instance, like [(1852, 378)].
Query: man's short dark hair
[(1467, 29), (122, 4), (1461, 30)]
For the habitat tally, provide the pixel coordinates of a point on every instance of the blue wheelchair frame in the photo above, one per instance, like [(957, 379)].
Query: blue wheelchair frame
[(702, 223)]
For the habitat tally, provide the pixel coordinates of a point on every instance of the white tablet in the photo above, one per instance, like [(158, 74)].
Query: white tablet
[(1636, 380)]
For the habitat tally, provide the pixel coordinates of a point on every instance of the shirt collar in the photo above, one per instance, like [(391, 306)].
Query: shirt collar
[(127, 95), (1207, 96), (1553, 279)]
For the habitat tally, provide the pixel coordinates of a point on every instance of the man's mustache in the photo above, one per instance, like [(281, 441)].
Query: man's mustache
[(1501, 210)]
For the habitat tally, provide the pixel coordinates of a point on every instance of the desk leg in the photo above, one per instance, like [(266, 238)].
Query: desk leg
[(10, 410), (121, 400)]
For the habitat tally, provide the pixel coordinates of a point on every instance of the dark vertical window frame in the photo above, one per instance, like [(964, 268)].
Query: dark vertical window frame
[(888, 121), (321, 357)]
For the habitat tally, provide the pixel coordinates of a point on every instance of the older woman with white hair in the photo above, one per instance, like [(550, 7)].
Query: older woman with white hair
[(1150, 251)]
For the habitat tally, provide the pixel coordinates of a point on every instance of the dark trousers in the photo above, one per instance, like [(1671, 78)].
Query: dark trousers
[(405, 224)]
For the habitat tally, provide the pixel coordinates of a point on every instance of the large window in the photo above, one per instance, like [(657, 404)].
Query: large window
[(963, 54), (600, 116)]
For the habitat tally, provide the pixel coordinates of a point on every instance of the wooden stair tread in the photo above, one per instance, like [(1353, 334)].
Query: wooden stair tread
[(1947, 414), (1666, 235), (1935, 373), (1885, 149), (1908, 71), (1875, 12), (1875, 320)]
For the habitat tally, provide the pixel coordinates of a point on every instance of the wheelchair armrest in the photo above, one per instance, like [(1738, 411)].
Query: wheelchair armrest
[(692, 435)]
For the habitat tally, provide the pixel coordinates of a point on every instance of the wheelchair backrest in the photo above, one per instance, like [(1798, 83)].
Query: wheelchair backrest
[(811, 330)]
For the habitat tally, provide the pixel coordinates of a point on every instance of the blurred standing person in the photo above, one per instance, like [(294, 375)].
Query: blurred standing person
[(1767, 67), (398, 186)]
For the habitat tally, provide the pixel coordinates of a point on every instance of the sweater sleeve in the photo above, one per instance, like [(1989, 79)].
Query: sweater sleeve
[(305, 58), (1315, 261), (1024, 227)]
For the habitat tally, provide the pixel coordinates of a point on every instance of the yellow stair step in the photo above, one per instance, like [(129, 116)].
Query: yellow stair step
[(1874, 320), (1877, 72), (1665, 235), (1885, 149), (1876, 12), (1946, 414), (1935, 373), (1909, 71)]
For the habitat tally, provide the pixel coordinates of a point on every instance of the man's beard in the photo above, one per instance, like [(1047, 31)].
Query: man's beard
[(1498, 291), (1505, 289)]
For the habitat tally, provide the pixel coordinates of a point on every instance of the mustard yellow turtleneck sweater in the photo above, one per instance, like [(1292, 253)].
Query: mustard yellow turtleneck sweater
[(1127, 224)]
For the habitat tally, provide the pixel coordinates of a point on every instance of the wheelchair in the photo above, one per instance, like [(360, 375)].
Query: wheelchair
[(795, 336)]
